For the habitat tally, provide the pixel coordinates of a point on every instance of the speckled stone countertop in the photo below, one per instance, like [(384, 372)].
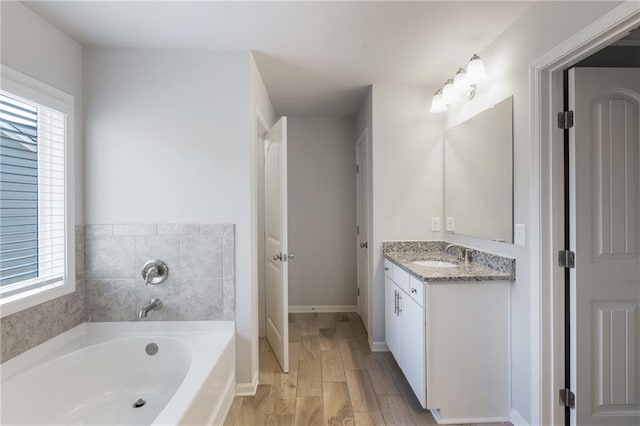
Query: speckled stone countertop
[(483, 266)]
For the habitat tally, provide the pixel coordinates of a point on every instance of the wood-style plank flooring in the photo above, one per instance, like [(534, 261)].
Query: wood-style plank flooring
[(334, 379)]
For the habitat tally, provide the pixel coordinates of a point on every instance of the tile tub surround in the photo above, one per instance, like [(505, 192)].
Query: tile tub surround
[(201, 261), (26, 329), (484, 266)]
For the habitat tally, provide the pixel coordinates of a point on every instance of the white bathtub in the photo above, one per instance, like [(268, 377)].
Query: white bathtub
[(93, 374)]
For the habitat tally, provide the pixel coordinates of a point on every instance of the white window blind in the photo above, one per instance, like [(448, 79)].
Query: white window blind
[(32, 194)]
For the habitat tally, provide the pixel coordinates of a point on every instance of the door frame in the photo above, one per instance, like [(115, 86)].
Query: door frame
[(547, 204), (260, 305), (364, 138)]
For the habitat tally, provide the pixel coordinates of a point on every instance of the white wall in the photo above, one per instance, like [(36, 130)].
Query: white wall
[(406, 177), (169, 139), (322, 211), (507, 60), (36, 48)]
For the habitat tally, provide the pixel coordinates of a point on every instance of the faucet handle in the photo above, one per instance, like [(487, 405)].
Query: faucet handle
[(155, 272), (466, 256)]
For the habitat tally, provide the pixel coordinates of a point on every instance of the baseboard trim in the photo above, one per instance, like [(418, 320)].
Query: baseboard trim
[(470, 420), (247, 389), (517, 419), (378, 346), (322, 308)]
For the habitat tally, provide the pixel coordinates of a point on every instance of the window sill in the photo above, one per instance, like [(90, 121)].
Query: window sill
[(30, 298)]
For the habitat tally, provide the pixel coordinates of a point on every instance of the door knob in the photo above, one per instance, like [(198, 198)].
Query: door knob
[(277, 257), (364, 245), (291, 255)]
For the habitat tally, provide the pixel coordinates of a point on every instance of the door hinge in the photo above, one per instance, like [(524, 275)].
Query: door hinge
[(357, 230), (567, 398), (565, 120), (357, 168), (358, 291), (566, 259)]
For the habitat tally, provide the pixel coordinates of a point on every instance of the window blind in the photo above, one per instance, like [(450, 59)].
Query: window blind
[(32, 196)]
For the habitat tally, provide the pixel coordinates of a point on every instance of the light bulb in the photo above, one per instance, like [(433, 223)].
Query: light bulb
[(448, 93), (460, 85), (437, 104), (475, 70)]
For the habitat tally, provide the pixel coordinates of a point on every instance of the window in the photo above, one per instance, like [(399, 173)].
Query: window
[(36, 226)]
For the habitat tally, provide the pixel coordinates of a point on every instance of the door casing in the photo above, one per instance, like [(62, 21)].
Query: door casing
[(363, 277)]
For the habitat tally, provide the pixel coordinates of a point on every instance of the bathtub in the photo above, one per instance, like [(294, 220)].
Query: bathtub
[(96, 372)]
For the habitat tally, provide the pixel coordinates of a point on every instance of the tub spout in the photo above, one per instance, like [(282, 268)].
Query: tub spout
[(153, 303)]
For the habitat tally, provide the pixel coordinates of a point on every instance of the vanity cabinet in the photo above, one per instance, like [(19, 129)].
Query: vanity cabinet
[(451, 341), (393, 321), (405, 328)]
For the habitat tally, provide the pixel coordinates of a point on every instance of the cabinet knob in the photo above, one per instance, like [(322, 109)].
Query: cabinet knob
[(414, 291), (386, 269)]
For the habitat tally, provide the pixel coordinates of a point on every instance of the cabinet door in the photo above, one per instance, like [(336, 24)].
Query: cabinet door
[(392, 320), (414, 363)]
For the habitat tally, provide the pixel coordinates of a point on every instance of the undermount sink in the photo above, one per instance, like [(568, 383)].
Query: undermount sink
[(435, 264)]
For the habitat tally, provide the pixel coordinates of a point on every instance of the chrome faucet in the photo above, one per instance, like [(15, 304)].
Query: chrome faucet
[(463, 253), (153, 303)]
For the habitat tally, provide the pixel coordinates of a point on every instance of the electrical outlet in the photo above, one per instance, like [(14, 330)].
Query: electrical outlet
[(435, 224), (451, 224), (519, 236)]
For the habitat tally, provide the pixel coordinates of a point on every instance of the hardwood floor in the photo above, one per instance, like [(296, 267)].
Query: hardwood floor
[(334, 379)]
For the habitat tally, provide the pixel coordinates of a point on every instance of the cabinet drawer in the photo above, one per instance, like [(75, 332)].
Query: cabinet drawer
[(401, 278), (388, 271), (416, 290)]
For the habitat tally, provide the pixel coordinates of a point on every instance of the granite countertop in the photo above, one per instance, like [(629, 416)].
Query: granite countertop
[(472, 271)]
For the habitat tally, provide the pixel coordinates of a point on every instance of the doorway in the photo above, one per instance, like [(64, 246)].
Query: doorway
[(602, 306), (276, 243)]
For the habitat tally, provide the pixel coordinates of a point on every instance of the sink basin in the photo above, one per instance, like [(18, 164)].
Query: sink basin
[(435, 264)]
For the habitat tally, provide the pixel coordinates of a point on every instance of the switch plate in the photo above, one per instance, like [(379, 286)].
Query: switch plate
[(435, 224), (451, 224), (519, 236)]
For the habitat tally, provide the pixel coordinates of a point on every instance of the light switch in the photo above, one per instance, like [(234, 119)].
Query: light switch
[(435, 224), (519, 234), (451, 224)]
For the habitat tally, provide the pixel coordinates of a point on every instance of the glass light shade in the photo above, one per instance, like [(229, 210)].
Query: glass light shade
[(449, 93), (437, 104), (460, 84), (475, 70)]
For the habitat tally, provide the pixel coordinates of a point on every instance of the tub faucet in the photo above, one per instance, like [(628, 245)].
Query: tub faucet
[(153, 303)]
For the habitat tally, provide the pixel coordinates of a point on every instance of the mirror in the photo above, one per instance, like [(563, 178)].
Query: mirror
[(479, 175)]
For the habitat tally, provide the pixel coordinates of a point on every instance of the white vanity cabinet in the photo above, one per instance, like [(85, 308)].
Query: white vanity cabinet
[(405, 327), (451, 340)]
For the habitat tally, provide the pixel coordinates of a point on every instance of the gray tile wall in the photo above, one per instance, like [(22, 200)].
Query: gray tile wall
[(23, 330), (200, 286), (109, 287)]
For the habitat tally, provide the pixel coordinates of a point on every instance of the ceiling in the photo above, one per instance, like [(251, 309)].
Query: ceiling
[(316, 58)]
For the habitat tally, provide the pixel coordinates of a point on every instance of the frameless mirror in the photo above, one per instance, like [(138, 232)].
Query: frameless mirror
[(479, 175)]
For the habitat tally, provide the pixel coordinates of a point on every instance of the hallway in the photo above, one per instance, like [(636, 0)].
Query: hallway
[(334, 379)]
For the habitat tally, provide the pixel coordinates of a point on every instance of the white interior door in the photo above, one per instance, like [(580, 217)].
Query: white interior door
[(276, 247), (362, 189), (605, 234)]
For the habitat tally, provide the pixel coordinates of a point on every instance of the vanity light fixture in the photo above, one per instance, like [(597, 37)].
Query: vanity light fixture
[(462, 86), (437, 103), (475, 70), (449, 93)]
